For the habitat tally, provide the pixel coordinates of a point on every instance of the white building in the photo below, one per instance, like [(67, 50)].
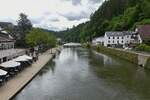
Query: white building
[(121, 39), (99, 40), (6, 41)]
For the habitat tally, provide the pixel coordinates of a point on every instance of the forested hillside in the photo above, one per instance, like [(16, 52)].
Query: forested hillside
[(112, 15)]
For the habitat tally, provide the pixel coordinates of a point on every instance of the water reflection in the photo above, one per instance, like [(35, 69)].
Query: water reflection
[(81, 74)]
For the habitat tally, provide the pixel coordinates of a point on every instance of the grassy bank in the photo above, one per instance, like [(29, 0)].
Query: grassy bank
[(118, 53), (148, 64)]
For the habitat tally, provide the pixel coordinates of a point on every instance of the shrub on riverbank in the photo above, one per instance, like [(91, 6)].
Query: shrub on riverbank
[(43, 39), (86, 45), (121, 54), (148, 64), (143, 47)]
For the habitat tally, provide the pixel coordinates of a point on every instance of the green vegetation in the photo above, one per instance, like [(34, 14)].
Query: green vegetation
[(148, 64), (24, 26), (112, 15), (39, 37), (118, 53), (143, 47)]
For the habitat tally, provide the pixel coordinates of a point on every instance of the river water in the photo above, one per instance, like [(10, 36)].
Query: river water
[(81, 74)]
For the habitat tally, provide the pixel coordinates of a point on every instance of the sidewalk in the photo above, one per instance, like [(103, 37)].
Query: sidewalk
[(13, 86), (136, 52)]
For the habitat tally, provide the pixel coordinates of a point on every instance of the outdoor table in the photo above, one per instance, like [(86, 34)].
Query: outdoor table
[(2, 72), (30, 59), (24, 61), (10, 66), (27, 57), (2, 76)]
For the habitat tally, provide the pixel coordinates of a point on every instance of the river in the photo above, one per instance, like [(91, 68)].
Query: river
[(81, 74)]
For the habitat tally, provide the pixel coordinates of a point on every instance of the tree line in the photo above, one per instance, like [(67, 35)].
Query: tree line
[(112, 15), (28, 36)]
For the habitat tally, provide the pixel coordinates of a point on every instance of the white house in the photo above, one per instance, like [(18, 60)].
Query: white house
[(6, 41), (99, 40), (121, 39)]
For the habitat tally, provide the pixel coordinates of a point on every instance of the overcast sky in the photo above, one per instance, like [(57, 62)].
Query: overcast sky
[(49, 14)]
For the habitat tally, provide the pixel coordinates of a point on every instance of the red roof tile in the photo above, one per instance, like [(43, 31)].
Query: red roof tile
[(144, 31)]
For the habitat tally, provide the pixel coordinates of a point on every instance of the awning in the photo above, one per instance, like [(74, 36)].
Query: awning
[(2, 72), (20, 59), (10, 64), (26, 57)]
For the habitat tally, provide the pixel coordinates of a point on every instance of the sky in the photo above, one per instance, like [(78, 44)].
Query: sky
[(49, 14)]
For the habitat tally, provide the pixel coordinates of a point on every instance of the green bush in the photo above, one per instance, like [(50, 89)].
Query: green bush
[(148, 64), (143, 47)]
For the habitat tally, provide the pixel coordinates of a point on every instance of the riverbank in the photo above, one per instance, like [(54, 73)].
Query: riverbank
[(16, 84), (121, 54), (148, 64), (133, 57)]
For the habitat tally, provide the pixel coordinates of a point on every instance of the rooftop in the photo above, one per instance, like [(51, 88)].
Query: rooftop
[(10, 52), (119, 33), (144, 31), (5, 37)]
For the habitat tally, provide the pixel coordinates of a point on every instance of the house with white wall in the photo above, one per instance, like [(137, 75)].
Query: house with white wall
[(120, 38), (6, 41), (98, 41)]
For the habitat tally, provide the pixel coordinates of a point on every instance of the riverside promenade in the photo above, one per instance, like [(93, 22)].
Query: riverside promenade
[(17, 83)]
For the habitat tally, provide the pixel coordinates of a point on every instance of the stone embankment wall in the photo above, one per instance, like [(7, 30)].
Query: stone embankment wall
[(131, 57), (148, 64)]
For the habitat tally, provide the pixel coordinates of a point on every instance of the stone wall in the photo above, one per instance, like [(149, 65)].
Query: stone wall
[(131, 57)]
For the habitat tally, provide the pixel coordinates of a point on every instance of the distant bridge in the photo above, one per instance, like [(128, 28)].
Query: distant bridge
[(72, 45)]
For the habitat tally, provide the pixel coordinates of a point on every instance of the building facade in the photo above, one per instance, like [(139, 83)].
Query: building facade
[(144, 32), (6, 41), (98, 41), (121, 39)]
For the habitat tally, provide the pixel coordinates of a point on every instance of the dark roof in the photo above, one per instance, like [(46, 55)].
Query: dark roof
[(119, 33), (6, 24), (144, 31), (5, 37)]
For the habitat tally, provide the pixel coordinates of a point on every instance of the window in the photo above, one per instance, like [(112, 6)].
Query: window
[(113, 37), (118, 42), (108, 37), (108, 41), (113, 41), (122, 37), (122, 41), (117, 37)]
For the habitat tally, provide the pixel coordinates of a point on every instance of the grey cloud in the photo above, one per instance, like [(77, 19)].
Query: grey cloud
[(73, 16), (53, 19), (50, 27), (95, 1), (74, 2), (36, 20)]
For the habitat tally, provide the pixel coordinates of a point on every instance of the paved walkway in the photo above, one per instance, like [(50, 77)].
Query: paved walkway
[(136, 52), (142, 56), (14, 85)]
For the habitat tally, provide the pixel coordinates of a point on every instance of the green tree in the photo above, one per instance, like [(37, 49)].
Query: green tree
[(39, 37), (24, 25)]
